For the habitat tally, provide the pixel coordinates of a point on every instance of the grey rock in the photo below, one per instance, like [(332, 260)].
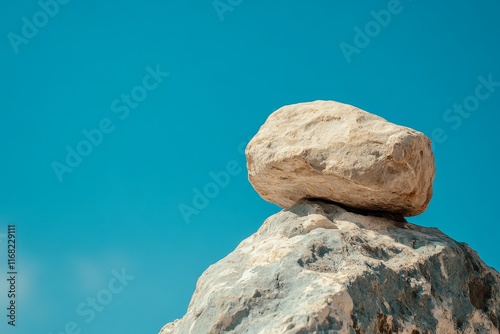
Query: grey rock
[(318, 268)]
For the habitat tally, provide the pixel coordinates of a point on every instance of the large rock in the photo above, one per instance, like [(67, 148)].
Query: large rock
[(317, 268), (335, 151)]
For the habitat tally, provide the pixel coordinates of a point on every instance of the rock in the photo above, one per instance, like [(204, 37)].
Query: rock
[(317, 268), (337, 152)]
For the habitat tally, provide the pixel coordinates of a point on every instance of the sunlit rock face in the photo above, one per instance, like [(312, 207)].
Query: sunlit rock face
[(318, 268), (334, 151)]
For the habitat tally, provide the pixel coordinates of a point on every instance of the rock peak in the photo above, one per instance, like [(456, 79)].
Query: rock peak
[(318, 268)]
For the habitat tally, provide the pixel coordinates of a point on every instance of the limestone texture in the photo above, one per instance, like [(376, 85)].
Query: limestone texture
[(317, 267), (337, 152)]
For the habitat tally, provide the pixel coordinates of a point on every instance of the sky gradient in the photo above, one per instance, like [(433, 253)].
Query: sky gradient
[(115, 116)]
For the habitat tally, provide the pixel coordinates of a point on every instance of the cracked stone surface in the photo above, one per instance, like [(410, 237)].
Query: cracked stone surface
[(337, 152), (319, 268)]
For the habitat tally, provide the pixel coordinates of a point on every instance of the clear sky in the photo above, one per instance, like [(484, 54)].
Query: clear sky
[(116, 115)]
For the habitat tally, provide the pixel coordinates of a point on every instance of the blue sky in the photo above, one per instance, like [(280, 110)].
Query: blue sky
[(175, 89)]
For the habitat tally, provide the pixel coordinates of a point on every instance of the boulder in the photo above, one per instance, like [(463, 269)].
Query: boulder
[(318, 268), (337, 152)]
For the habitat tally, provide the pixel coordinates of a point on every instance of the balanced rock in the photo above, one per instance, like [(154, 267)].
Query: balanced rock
[(317, 268), (337, 152)]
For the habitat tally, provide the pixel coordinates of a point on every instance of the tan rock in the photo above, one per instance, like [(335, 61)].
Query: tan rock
[(337, 152)]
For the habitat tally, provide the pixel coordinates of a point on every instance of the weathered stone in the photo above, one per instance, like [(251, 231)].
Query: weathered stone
[(317, 268), (340, 153)]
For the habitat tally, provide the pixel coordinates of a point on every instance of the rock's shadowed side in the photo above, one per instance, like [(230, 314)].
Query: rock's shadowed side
[(334, 151), (317, 268)]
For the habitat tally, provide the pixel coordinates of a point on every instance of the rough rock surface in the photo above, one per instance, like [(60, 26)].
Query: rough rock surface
[(334, 151), (317, 268)]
